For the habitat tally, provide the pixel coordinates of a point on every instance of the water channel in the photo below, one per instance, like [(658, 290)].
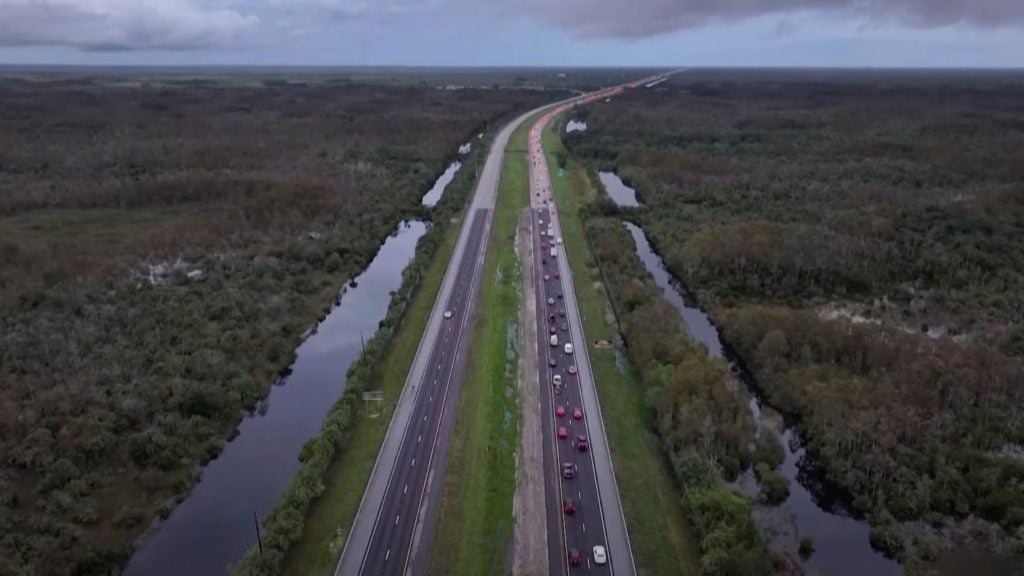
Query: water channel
[(433, 196), (575, 126), (214, 526), (622, 195), (840, 540)]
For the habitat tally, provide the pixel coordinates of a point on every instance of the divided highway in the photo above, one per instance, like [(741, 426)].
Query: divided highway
[(393, 528)]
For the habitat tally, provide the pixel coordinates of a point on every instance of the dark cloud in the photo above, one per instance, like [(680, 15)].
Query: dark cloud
[(634, 19), (118, 25)]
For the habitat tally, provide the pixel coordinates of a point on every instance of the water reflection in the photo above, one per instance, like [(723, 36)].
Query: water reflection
[(841, 542), (433, 196), (213, 527), (575, 126), (622, 195)]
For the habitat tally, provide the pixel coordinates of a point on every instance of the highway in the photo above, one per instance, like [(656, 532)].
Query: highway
[(393, 528), (596, 517)]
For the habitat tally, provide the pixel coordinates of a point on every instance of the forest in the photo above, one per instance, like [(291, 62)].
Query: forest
[(164, 245), (859, 239)]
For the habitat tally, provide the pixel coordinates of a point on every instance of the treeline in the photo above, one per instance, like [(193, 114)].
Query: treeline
[(283, 526), (163, 250), (860, 238), (703, 426)]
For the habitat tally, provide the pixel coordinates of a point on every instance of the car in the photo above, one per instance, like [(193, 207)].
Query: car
[(543, 260), (560, 411), (582, 444), (541, 220), (559, 240), (568, 348), (577, 414), (600, 555), (557, 276), (574, 557), (447, 314), (572, 369), (552, 362), (556, 379), (543, 233), (562, 433), (568, 506), (551, 318), (562, 312), (552, 329), (546, 278), (551, 301), (559, 296), (565, 327), (568, 470)]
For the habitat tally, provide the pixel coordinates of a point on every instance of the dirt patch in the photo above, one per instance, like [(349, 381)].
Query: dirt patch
[(603, 344), (529, 556)]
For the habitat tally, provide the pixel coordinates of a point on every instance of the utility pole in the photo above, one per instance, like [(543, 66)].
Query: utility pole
[(258, 537), (362, 341)]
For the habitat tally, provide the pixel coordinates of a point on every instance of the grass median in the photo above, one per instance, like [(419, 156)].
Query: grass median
[(660, 537), (475, 524)]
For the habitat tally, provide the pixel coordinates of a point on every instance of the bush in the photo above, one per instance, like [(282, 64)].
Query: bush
[(806, 547), (886, 538)]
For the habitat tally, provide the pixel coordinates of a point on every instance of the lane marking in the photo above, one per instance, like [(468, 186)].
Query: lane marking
[(388, 555), (413, 461), (397, 516), (406, 489), (419, 438)]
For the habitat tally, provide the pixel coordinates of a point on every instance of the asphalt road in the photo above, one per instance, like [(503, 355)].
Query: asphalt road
[(393, 527)]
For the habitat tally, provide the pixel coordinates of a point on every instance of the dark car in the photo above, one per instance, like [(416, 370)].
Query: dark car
[(565, 327), (551, 318), (552, 362), (552, 329), (557, 276), (559, 294), (562, 312), (568, 506), (574, 557), (582, 444), (568, 470)]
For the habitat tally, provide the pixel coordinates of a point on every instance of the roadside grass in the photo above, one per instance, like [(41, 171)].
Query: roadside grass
[(475, 523), (331, 517), (659, 534)]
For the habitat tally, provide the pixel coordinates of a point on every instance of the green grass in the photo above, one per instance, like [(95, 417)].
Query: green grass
[(475, 525), (331, 518), (658, 531)]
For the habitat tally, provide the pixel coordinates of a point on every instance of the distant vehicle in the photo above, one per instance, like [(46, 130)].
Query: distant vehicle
[(553, 340), (568, 506), (562, 312), (557, 379), (543, 233), (552, 329), (551, 318), (568, 347), (551, 301), (568, 470), (565, 327), (554, 253), (577, 414), (543, 260), (447, 314), (557, 276), (552, 362), (562, 433), (546, 278), (572, 369), (541, 220), (600, 555), (560, 411), (581, 443), (574, 557), (558, 241)]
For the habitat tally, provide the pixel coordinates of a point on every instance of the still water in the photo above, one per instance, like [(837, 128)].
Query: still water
[(841, 541), (433, 196), (622, 195), (575, 126), (214, 526)]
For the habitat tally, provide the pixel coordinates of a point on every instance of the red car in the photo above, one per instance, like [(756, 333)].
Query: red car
[(581, 443), (572, 369), (568, 506), (574, 557), (560, 411), (563, 433), (577, 414)]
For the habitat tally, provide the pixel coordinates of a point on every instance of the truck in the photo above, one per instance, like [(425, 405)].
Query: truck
[(554, 340), (554, 253)]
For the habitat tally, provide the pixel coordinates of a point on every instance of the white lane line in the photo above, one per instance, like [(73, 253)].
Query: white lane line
[(430, 400), (413, 461), (584, 527), (419, 438), (406, 489), (387, 555), (397, 516)]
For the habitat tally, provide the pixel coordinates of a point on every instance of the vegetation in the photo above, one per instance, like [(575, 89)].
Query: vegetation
[(661, 540), (163, 248), (475, 523), (699, 423), (859, 240)]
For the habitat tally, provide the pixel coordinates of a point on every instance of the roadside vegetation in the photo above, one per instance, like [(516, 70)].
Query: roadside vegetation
[(163, 247), (662, 540), (858, 238), (475, 525)]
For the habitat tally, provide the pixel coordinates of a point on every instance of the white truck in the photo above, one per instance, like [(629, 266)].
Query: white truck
[(554, 253), (554, 340)]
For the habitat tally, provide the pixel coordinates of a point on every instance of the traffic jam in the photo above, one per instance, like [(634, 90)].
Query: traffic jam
[(571, 442)]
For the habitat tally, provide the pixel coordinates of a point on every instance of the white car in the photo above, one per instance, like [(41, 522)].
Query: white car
[(568, 347), (558, 241), (556, 380), (447, 314), (600, 555)]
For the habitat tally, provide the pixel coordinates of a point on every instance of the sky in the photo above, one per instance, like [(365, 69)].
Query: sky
[(846, 33)]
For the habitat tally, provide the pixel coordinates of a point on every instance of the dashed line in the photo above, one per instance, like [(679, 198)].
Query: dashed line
[(406, 489), (397, 516), (387, 555), (413, 461), (418, 438)]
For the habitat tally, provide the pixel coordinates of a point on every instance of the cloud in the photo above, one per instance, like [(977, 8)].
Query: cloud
[(636, 19), (121, 24)]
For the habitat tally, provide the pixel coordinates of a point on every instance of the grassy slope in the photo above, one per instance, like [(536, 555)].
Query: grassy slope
[(475, 517), (332, 516), (657, 528)]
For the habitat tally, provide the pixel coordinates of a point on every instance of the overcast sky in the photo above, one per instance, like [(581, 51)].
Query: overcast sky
[(958, 33)]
